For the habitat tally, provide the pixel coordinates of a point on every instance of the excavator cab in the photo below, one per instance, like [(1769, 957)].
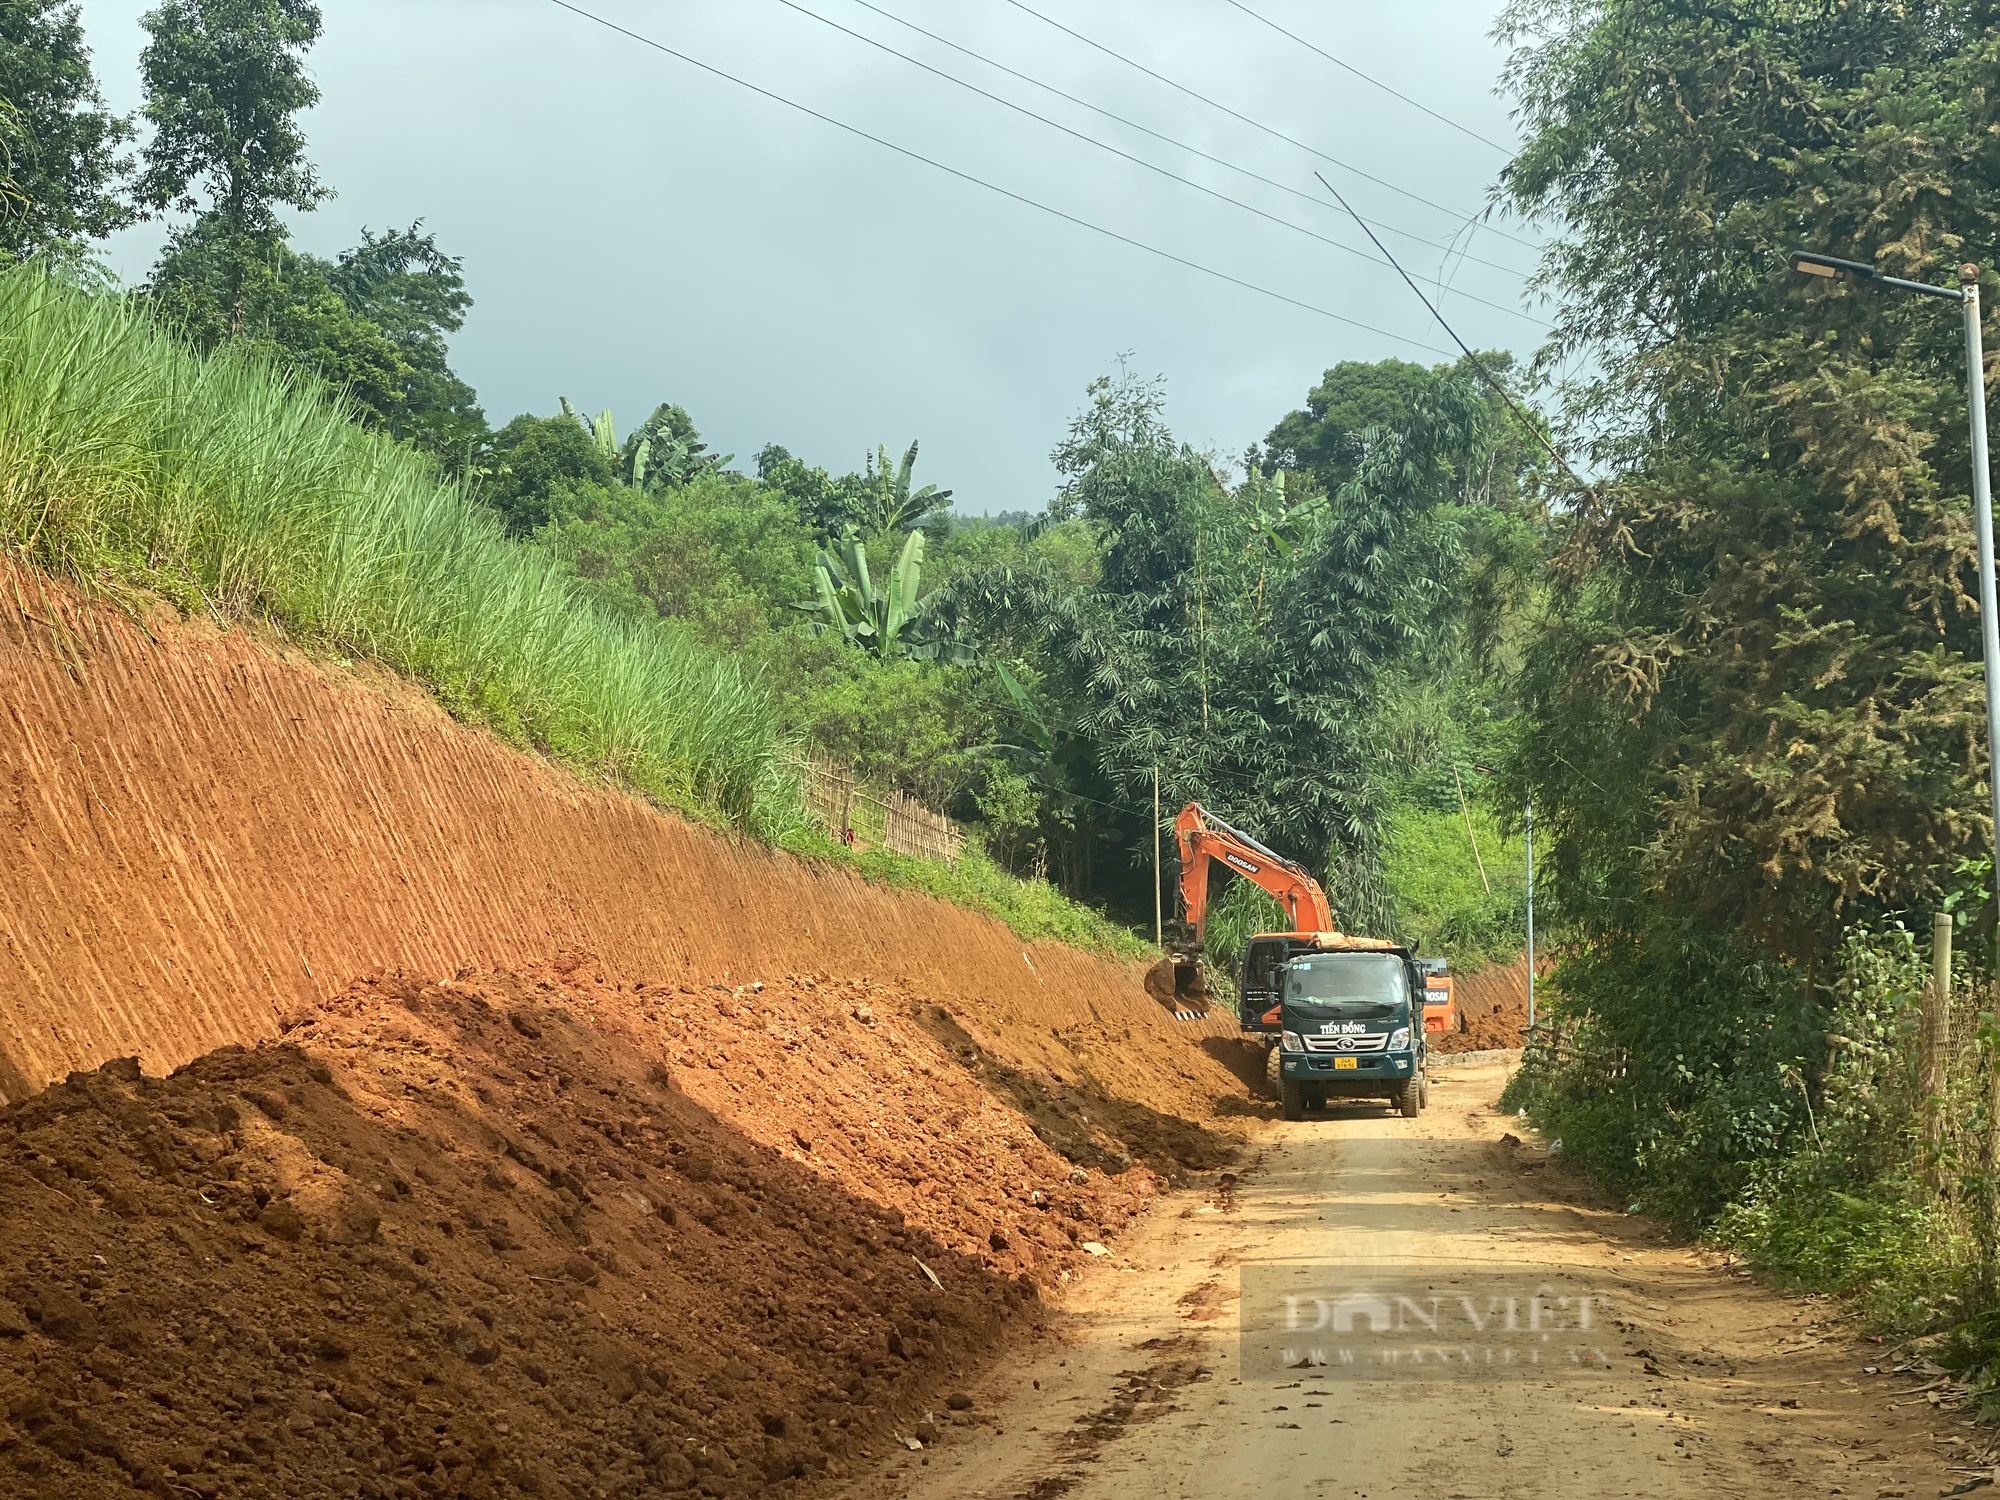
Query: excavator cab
[(1261, 985), (1440, 1012)]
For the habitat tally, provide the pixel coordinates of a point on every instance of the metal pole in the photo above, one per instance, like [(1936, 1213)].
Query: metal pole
[(1159, 920), (1531, 912), (1982, 526)]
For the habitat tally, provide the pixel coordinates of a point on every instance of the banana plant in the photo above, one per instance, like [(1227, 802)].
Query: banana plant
[(886, 621), (602, 431), (888, 503)]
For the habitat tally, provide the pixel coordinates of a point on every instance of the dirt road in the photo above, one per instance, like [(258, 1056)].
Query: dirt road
[(1717, 1387)]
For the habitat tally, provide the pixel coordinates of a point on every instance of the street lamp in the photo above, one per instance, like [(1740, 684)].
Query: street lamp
[(1966, 294)]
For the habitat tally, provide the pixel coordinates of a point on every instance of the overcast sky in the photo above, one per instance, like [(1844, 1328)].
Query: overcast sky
[(636, 230)]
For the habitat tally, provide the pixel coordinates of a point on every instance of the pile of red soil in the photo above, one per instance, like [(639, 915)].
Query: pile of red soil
[(536, 1234), (1494, 1005)]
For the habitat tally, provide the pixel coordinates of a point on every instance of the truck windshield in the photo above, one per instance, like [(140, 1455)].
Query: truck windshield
[(1348, 986)]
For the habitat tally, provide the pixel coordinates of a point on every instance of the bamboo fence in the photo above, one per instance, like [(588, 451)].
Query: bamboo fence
[(860, 815)]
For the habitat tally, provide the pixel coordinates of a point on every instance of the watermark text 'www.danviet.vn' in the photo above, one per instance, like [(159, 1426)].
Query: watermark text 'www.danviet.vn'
[(1449, 1322)]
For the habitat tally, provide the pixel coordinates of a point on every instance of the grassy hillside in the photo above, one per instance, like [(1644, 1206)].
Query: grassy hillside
[(130, 463), (1443, 905), (126, 459)]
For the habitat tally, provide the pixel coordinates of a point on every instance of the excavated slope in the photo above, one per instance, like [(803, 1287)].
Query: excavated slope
[(1494, 1003), (475, 1238), (518, 1139), (200, 837)]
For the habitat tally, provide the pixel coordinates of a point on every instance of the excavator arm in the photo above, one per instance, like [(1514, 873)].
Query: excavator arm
[(1204, 838)]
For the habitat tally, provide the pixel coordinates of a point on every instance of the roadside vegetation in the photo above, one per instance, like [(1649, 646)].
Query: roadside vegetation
[(1753, 725), (1727, 644)]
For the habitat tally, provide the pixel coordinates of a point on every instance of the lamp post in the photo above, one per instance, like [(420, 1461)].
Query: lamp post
[(1966, 294)]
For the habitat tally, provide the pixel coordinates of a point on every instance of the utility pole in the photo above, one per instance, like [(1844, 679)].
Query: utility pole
[(1966, 295), (1531, 913), (1159, 918)]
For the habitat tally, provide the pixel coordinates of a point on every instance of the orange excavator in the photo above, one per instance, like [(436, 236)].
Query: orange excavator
[(1343, 1017), (1204, 840)]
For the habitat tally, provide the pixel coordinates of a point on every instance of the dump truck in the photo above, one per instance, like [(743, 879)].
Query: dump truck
[(1352, 1027), (1204, 841)]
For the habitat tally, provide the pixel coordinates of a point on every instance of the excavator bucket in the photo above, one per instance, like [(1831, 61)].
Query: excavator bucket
[(1177, 981)]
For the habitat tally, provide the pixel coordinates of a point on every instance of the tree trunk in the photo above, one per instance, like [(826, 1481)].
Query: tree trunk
[(1932, 1072)]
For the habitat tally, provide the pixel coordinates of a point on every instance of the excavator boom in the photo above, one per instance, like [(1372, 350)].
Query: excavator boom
[(1204, 838)]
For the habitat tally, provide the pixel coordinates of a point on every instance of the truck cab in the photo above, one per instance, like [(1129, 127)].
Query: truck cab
[(1351, 1027)]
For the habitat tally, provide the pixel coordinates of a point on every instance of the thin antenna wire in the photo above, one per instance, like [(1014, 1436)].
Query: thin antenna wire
[(993, 187), (1275, 134), (1139, 161), (1179, 145), (1466, 349), (1367, 78)]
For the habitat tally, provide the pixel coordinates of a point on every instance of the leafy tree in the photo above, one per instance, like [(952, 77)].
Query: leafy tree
[(59, 145), (538, 466), (414, 293), (1325, 439), (1757, 721), (1242, 644), (822, 502), (372, 323), (1325, 442), (720, 552), (225, 81)]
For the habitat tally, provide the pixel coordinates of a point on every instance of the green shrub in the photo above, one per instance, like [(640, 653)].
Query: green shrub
[(1442, 905)]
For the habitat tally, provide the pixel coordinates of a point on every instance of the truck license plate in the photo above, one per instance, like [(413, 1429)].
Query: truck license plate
[(1347, 1062)]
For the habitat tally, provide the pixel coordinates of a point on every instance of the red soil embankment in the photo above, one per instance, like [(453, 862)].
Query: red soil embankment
[(601, 1155), (199, 836), (1494, 1003), (472, 1238)]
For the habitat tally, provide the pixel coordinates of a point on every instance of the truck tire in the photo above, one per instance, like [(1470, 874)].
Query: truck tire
[(1424, 1089), (1291, 1099), (1410, 1098), (1271, 1071)]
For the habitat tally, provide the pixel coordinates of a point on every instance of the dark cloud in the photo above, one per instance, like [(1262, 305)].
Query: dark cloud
[(636, 231)]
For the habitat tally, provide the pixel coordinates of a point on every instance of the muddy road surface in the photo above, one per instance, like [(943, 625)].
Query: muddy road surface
[(1715, 1386)]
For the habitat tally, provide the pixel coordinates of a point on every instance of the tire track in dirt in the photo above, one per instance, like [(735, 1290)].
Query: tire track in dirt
[(1717, 1386)]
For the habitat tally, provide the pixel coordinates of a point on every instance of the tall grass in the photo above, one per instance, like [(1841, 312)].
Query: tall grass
[(128, 460)]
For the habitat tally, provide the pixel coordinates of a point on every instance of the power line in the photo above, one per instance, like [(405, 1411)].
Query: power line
[(1271, 131), (1139, 161), (1179, 145), (855, 130), (1464, 348), (1367, 78)]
